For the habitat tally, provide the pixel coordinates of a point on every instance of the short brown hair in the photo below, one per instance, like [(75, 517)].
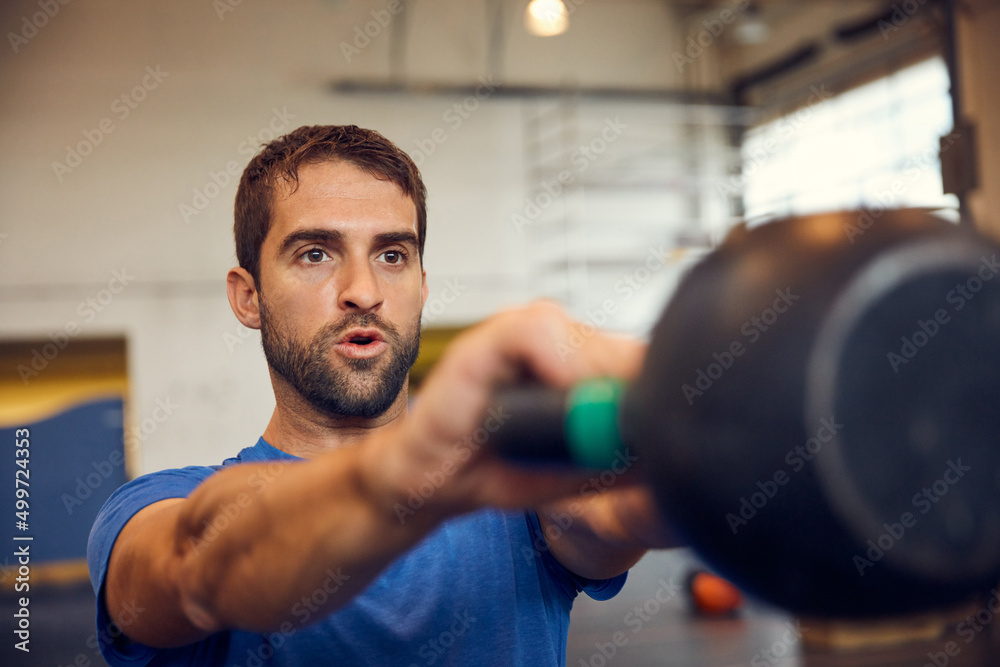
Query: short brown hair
[(280, 161)]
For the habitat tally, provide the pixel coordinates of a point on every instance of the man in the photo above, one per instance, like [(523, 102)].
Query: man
[(296, 551)]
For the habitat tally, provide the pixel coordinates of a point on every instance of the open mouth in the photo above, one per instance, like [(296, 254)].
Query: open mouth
[(361, 340), (360, 343), (362, 337)]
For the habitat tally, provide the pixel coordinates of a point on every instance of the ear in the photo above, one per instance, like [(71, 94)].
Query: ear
[(243, 297), (423, 289)]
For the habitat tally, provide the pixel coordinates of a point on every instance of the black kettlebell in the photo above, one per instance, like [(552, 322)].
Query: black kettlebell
[(818, 413)]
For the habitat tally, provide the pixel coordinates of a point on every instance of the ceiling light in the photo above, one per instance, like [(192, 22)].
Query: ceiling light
[(751, 28), (546, 18)]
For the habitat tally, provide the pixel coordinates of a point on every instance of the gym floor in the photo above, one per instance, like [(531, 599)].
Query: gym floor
[(667, 633), (648, 623)]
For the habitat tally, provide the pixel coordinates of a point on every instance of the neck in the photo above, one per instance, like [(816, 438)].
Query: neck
[(297, 428)]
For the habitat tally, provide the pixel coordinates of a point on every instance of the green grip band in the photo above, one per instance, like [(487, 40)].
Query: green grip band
[(592, 435)]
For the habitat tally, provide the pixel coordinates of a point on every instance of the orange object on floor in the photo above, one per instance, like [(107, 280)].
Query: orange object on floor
[(713, 595)]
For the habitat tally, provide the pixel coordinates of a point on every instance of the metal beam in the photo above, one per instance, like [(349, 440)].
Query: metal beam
[(384, 87)]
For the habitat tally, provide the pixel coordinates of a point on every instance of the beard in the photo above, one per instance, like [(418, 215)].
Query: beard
[(365, 388)]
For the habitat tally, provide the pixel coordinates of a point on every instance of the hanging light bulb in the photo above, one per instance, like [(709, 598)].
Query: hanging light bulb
[(546, 18), (751, 28)]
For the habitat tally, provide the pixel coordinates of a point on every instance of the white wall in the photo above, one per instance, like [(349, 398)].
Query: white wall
[(63, 234)]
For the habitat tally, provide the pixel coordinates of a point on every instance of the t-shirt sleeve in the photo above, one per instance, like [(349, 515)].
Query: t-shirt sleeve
[(117, 511), (598, 589)]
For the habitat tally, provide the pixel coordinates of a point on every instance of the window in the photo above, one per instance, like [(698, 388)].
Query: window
[(876, 145)]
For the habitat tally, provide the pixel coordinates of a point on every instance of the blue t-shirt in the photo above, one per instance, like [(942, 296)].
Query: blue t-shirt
[(482, 589)]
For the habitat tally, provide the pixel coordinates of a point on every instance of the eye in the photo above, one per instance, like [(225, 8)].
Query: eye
[(315, 255), (393, 256)]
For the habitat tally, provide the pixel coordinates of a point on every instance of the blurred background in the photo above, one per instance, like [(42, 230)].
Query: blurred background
[(587, 151)]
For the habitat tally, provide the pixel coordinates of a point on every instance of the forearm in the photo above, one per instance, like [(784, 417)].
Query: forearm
[(601, 535), (581, 538), (264, 544), (257, 546)]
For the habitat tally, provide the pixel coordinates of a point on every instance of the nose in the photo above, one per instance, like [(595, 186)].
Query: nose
[(360, 289)]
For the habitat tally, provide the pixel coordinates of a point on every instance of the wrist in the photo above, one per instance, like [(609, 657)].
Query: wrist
[(390, 480)]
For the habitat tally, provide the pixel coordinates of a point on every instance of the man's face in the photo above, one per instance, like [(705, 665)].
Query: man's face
[(341, 290)]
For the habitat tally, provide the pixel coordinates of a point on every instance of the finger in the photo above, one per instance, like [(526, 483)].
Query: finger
[(545, 341)]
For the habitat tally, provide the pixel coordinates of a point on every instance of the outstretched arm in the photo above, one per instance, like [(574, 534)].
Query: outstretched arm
[(298, 522)]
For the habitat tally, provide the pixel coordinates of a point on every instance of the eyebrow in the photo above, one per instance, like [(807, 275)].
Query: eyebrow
[(307, 235), (335, 236), (397, 237)]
